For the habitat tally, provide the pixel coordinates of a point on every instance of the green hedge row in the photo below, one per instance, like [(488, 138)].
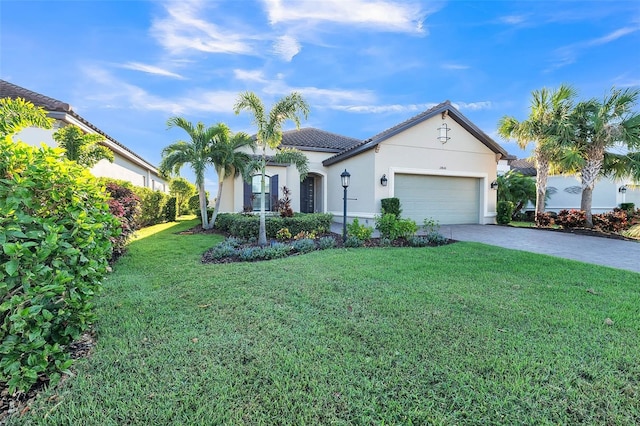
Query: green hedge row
[(247, 226)]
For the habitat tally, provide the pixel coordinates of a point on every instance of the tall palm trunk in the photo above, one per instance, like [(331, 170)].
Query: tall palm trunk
[(214, 215), (542, 177), (203, 206), (262, 233), (588, 176)]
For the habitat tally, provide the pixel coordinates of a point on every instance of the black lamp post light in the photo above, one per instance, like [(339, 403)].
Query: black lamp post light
[(345, 178)]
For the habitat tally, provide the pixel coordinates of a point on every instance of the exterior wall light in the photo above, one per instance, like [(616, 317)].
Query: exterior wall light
[(345, 178), (494, 184), (623, 189), (384, 180), (444, 133)]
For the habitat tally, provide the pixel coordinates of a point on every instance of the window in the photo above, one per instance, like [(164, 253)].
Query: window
[(256, 193)]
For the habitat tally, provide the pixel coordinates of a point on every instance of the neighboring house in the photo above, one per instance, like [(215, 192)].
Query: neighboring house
[(565, 191), (438, 163), (127, 165)]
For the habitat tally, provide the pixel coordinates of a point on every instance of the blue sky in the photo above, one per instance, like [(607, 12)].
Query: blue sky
[(363, 66)]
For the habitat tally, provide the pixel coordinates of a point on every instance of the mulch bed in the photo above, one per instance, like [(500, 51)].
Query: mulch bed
[(587, 232)]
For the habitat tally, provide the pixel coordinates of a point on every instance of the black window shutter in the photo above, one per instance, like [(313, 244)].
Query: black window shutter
[(247, 203), (274, 192)]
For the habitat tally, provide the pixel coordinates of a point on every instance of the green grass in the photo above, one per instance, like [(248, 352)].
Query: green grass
[(459, 334)]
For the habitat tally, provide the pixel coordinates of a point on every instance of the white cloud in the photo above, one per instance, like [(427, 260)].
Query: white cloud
[(381, 15), (151, 69), (286, 47), (111, 92), (455, 67), (512, 19), (472, 106), (246, 75), (377, 109), (567, 55), (183, 29)]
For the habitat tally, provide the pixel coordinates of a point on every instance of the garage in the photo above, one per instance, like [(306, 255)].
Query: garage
[(447, 199)]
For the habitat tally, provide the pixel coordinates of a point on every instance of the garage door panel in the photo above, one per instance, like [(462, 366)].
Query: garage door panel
[(447, 199)]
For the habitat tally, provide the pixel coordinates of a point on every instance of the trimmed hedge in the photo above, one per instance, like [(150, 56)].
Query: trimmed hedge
[(504, 212), (246, 226), (55, 244), (391, 205)]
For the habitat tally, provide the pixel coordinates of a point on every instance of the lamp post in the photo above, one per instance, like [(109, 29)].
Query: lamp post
[(344, 177)]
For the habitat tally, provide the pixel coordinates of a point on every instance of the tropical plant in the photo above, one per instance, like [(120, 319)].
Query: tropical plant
[(269, 135), (598, 127), (517, 188), (83, 148), (228, 159), (182, 189), (17, 114), (546, 126), (195, 152)]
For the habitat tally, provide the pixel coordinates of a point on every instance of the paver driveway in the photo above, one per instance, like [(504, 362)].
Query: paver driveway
[(601, 251)]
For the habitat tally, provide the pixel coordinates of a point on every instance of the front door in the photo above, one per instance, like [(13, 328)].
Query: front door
[(307, 195)]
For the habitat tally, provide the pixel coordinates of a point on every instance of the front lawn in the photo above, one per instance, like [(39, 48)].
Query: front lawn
[(459, 334)]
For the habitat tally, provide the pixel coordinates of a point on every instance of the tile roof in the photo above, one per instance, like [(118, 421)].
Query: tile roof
[(10, 90), (444, 107), (526, 167), (311, 139)]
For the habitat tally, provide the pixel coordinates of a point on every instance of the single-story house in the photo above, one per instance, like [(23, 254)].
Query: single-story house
[(439, 164), (565, 191), (127, 165)]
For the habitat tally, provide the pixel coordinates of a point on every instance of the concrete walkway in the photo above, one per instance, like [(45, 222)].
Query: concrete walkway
[(600, 251)]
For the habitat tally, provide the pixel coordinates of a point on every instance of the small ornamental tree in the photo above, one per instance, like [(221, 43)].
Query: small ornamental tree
[(55, 244), (84, 148), (125, 205)]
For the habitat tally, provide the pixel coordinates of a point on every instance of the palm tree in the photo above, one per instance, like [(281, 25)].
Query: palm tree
[(547, 125), (83, 148), (196, 152), (517, 188), (599, 127), (269, 134), (227, 159)]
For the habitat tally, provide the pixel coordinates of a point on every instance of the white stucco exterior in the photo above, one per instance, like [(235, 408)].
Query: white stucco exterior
[(126, 165), (411, 148)]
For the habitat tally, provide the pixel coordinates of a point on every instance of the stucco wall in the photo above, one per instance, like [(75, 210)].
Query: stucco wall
[(418, 151), (121, 168), (566, 193)]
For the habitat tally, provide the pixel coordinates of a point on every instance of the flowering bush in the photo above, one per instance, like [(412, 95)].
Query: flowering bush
[(124, 205), (571, 219)]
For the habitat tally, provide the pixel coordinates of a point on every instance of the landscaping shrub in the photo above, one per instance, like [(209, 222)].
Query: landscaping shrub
[(246, 225), (627, 206), (124, 204), (362, 232), (305, 235), (614, 221), (393, 228), (391, 205), (437, 239), (283, 234), (571, 219), (193, 205), (284, 204), (55, 243), (152, 205), (353, 241), (544, 219), (430, 225), (633, 232), (504, 212), (417, 241), (171, 210), (325, 243), (304, 245)]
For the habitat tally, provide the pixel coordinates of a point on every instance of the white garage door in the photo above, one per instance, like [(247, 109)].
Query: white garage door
[(447, 199)]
